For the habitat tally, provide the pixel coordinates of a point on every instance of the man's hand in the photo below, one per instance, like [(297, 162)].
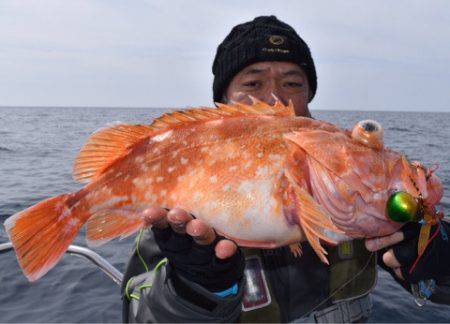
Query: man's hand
[(389, 259), (194, 250), (402, 254)]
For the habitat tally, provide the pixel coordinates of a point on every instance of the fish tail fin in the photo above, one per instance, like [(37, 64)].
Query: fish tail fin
[(42, 233), (108, 224)]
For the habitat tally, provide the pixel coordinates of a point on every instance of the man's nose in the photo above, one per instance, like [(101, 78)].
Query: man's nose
[(273, 93)]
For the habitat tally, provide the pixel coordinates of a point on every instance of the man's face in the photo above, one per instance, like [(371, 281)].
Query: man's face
[(264, 80)]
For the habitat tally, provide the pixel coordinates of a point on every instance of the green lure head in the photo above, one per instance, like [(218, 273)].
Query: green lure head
[(402, 207)]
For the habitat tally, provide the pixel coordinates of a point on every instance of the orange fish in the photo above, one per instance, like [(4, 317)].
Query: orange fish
[(256, 173)]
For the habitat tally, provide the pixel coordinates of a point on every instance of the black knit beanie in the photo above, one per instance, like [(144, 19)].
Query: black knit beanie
[(264, 39)]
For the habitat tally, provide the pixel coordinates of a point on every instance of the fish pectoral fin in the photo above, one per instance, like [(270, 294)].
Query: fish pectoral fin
[(108, 224), (105, 146), (313, 219)]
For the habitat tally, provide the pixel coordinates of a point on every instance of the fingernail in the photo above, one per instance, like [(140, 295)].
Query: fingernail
[(220, 255), (178, 225)]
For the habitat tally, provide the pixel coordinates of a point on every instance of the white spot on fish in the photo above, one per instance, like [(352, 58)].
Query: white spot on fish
[(163, 193), (215, 122), (71, 225), (170, 169), (248, 164), (335, 236), (229, 141), (377, 196), (274, 157), (106, 191), (119, 174), (64, 214), (211, 206), (260, 155), (197, 196), (155, 168), (139, 182), (150, 197), (108, 204), (262, 171), (233, 168), (226, 187), (213, 179), (144, 168), (184, 161), (246, 187), (163, 136), (159, 179), (203, 149), (73, 222), (139, 159)]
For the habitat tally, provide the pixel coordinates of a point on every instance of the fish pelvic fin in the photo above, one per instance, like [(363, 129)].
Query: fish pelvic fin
[(296, 249), (42, 233), (258, 107), (108, 224), (106, 146)]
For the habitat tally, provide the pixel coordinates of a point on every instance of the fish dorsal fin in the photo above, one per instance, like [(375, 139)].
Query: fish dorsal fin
[(105, 146), (222, 111)]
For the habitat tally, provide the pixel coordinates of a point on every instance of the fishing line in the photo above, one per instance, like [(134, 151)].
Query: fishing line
[(372, 254)]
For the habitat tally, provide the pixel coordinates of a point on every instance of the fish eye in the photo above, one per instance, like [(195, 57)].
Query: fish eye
[(402, 207), (369, 133), (370, 126)]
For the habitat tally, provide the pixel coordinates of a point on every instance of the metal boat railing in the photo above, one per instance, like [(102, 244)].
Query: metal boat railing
[(83, 252)]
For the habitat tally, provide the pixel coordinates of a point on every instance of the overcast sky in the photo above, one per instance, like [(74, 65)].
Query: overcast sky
[(370, 55)]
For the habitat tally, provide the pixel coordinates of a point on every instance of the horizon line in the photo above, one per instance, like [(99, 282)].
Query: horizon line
[(189, 107)]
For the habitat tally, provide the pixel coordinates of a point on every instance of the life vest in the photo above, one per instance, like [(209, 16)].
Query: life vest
[(352, 276)]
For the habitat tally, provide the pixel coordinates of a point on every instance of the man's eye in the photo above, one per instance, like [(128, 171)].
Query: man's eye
[(294, 84), (251, 84)]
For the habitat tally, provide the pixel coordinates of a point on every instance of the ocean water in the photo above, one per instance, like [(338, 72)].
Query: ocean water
[(37, 149)]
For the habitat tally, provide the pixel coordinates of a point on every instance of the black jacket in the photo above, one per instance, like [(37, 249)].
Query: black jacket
[(299, 286)]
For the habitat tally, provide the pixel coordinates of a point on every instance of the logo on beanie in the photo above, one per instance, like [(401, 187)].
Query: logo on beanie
[(276, 40)]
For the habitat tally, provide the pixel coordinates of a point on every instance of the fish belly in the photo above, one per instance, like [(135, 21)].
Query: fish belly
[(249, 211)]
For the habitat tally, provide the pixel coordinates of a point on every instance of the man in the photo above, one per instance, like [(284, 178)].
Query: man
[(203, 278)]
